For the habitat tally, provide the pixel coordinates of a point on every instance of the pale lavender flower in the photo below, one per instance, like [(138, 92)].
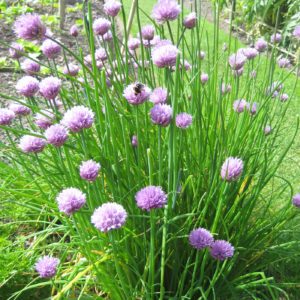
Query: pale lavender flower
[(159, 95), (6, 116), (148, 32), (109, 216), (136, 93), (221, 250), (29, 27), (240, 105), (225, 88), (200, 238), (89, 170), (165, 10), (107, 36), (27, 86), (100, 54), (134, 141), (30, 67), (19, 109), (56, 135), (74, 31), (101, 26), (204, 78), (284, 62), (78, 118), (276, 38), (165, 56), (261, 45), (71, 70), (184, 120), (190, 20), (201, 55), (133, 43), (296, 32), (49, 87), (267, 129), (161, 114), (70, 200), (237, 61), (151, 197), (232, 169), (238, 73), (112, 7), (284, 97), (44, 119), (250, 53), (46, 266), (296, 200), (16, 50), (252, 108), (29, 143), (50, 49)]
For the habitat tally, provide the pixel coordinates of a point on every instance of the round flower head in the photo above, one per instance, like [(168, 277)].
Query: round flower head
[(29, 143), (134, 141), (240, 105), (133, 43), (50, 49), (16, 50), (56, 135), (6, 116), (101, 26), (165, 10), (19, 109), (107, 36), (284, 97), (200, 238), (296, 200), (148, 32), (71, 70), (49, 87), (190, 20), (109, 216), (29, 27), (27, 86), (30, 67), (183, 120), (221, 250), (112, 7), (159, 95), (284, 63), (232, 169), (74, 31), (204, 78), (250, 53), (70, 200), (276, 38), (201, 55), (100, 54), (161, 114), (165, 56), (89, 170), (151, 197), (44, 119), (296, 32), (237, 61), (78, 118), (261, 45), (267, 130), (46, 266), (136, 93)]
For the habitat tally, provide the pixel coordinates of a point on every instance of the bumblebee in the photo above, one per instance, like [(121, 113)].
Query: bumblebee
[(138, 87)]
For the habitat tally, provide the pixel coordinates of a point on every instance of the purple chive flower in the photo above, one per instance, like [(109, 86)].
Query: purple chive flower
[(165, 56), (29, 27), (30, 67), (284, 97), (19, 109), (204, 78), (71, 70), (284, 63), (267, 129), (112, 7), (50, 49), (296, 32), (232, 169), (44, 119), (100, 54), (16, 50), (183, 120), (89, 170), (240, 105), (190, 20), (46, 266), (70, 200), (221, 250), (296, 200), (134, 141), (133, 43), (161, 114), (109, 216), (6, 116), (151, 197), (101, 26), (276, 38), (148, 32), (225, 88), (165, 10), (200, 238), (107, 36), (78, 118), (159, 95), (29, 143), (252, 108), (136, 93), (56, 135), (250, 53), (261, 45), (27, 86), (201, 55), (74, 31), (237, 61), (49, 87), (238, 73)]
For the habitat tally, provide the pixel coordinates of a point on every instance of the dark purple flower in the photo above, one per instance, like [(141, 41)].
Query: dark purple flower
[(46, 266), (200, 238), (56, 135), (74, 31), (165, 10), (221, 250), (89, 170), (184, 120), (232, 169), (151, 197), (190, 20), (161, 114)]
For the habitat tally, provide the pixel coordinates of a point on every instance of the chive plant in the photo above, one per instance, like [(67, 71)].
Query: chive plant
[(152, 162)]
